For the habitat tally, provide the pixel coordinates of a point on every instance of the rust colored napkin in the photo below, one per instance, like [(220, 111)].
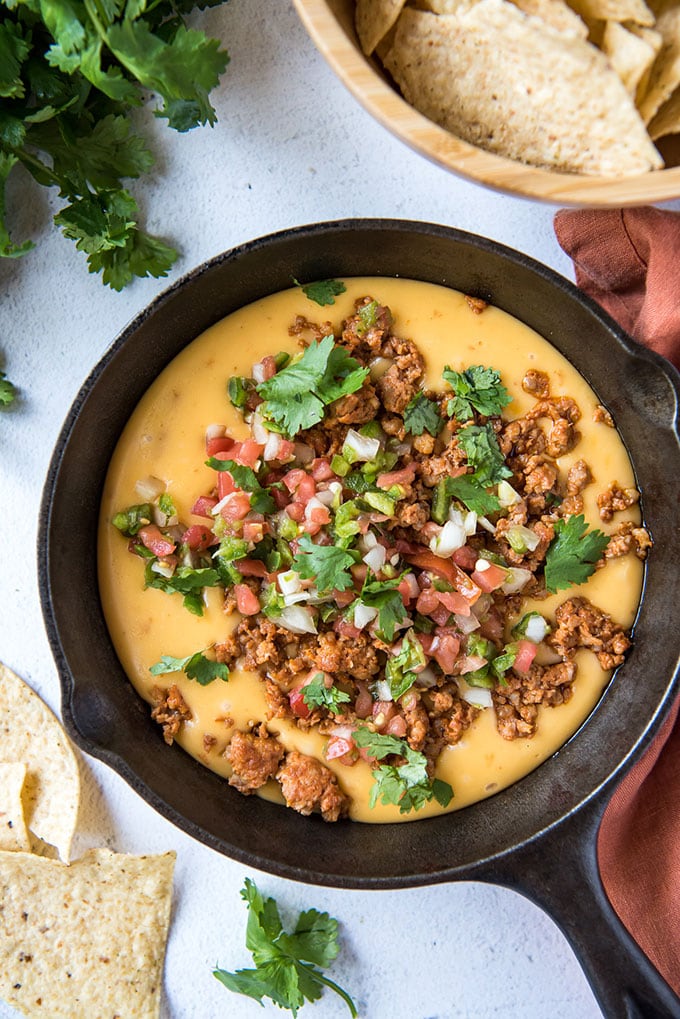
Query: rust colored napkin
[(629, 261)]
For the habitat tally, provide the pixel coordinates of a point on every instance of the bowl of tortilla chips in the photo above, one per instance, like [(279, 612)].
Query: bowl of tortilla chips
[(568, 101)]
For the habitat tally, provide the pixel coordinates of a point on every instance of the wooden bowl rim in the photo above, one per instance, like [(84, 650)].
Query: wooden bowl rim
[(367, 85)]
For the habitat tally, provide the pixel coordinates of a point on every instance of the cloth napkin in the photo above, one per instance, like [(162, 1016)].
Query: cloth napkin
[(629, 261)]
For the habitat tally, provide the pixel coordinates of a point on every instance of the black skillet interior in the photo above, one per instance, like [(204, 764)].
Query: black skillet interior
[(106, 717)]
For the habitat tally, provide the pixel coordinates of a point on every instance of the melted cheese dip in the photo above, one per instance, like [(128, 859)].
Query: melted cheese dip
[(165, 438)]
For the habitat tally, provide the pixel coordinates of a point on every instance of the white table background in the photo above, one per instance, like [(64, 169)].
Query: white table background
[(291, 147)]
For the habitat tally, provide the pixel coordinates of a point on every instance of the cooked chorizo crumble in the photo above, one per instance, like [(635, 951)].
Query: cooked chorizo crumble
[(377, 540)]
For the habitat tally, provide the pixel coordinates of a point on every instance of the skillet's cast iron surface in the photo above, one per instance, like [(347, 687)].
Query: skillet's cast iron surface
[(537, 836)]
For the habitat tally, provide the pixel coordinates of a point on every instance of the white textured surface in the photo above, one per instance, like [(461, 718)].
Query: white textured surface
[(291, 147)]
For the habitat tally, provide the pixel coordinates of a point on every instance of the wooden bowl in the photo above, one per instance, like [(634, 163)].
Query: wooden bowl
[(330, 23)]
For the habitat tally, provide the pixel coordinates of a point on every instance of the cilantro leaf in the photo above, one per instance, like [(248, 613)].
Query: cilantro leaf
[(288, 965), (406, 785), (185, 581), (322, 292), (195, 666), (296, 396), (7, 391), (573, 553), (480, 445), (246, 479), (326, 565), (384, 596), (8, 249), (422, 415), (468, 489), (317, 695), (476, 388)]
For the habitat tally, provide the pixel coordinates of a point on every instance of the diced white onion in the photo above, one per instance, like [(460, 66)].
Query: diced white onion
[(164, 569), (427, 677), (297, 619), (507, 496), (482, 565), (258, 372), (375, 558), (150, 487), (536, 629), (216, 510), (480, 696), (471, 663), (363, 615), (313, 504), (272, 446), (413, 589), (466, 624), (215, 431), (451, 537), (487, 525), (470, 523), (368, 541), (381, 690), (295, 599), (524, 536), (516, 581), (394, 560), (257, 427), (363, 447), (289, 582)]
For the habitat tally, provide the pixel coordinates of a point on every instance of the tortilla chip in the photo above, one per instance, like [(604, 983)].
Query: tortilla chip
[(614, 10), (508, 83), (654, 41), (630, 55), (30, 733), (555, 13), (374, 19), (85, 941), (664, 76), (13, 831), (667, 120), (444, 6)]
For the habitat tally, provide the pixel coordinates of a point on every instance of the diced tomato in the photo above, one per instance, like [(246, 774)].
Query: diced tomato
[(440, 615), (292, 479), (426, 639), (446, 652), (219, 444), (247, 601), (402, 477), (465, 557), (268, 367), (447, 569), (286, 451), (454, 602), (225, 484), (296, 511), (317, 514), (343, 598), (203, 506), (396, 726), (297, 701), (359, 572), (280, 498), (253, 530), (305, 489), (383, 711), (492, 626), (152, 539), (427, 601), (526, 652), (247, 453), (321, 469), (345, 628), (491, 578), (405, 590), (337, 746), (236, 507), (251, 567), (363, 705), (198, 538)]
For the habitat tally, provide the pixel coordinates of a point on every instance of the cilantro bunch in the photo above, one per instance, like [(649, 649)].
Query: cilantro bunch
[(71, 73)]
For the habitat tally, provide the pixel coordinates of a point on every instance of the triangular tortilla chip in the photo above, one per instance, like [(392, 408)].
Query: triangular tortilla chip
[(667, 120), (30, 733), (555, 13), (664, 76), (13, 831), (630, 55), (374, 19), (508, 83), (85, 941), (614, 10)]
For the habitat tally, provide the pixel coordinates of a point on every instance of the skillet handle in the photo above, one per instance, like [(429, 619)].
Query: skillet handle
[(558, 871)]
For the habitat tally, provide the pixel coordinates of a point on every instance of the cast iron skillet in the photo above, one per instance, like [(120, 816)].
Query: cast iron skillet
[(539, 836)]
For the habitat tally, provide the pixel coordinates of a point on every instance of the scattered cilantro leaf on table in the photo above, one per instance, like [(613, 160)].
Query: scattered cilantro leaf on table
[(317, 695), (197, 666), (327, 565), (480, 445), (406, 785), (422, 415), (322, 292), (71, 73), (7, 391), (296, 396), (573, 553), (288, 966), (476, 388)]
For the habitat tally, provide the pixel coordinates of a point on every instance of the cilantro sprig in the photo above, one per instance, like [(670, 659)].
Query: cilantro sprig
[(475, 389), (422, 415), (317, 695), (296, 396), (573, 553), (7, 391), (471, 491), (186, 581), (406, 785), (322, 292), (196, 666), (246, 479), (480, 445), (288, 966), (327, 565), (72, 73), (384, 596)]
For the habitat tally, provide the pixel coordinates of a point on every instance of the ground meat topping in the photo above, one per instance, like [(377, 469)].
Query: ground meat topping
[(581, 624), (308, 785), (170, 711), (254, 757), (614, 499)]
